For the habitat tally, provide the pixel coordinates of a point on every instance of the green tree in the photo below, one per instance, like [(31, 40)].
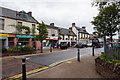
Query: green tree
[(20, 28), (43, 34), (33, 33), (105, 22)]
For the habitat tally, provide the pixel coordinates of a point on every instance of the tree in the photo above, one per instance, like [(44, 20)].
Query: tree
[(101, 4), (33, 33), (20, 28), (43, 34), (105, 22)]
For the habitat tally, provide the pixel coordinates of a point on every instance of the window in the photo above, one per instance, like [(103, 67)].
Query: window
[(2, 24), (33, 26), (48, 31), (55, 32), (19, 23)]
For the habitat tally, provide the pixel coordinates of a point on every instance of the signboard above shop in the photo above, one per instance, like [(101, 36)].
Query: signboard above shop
[(24, 36), (4, 35)]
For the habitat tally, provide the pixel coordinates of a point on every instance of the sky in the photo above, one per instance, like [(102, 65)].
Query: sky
[(60, 12)]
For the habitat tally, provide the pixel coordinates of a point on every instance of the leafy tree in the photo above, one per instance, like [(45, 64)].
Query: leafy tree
[(43, 34), (22, 27), (33, 33), (105, 22)]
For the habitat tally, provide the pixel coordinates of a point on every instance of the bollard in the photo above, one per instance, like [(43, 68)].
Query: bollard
[(23, 69), (78, 55), (93, 51), (50, 49)]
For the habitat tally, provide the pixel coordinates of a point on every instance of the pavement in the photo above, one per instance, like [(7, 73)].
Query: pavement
[(71, 69)]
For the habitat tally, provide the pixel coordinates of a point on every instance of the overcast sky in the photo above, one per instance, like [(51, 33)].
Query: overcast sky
[(60, 12)]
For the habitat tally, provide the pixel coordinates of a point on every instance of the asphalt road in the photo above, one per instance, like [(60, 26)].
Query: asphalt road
[(48, 59)]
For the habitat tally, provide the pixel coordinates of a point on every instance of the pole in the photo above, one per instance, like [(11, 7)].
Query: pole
[(78, 55), (50, 48), (23, 69), (93, 51)]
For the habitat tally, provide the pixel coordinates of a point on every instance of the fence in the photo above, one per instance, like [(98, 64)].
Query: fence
[(113, 52)]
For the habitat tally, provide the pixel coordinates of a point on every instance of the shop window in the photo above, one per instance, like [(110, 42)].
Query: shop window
[(11, 39), (2, 24), (44, 44)]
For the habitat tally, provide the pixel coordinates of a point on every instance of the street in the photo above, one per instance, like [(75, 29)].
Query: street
[(13, 67), (48, 59)]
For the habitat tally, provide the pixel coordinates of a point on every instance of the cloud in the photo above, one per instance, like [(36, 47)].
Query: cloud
[(61, 12)]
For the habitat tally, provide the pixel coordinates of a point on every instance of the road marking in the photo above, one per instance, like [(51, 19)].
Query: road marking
[(69, 62), (43, 68)]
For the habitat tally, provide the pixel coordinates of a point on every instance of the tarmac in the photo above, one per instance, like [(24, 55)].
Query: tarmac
[(72, 69)]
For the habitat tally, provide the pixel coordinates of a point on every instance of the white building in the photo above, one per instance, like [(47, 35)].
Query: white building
[(67, 37), (9, 34), (82, 34)]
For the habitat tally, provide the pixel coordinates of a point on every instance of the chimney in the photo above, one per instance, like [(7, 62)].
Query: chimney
[(51, 24), (29, 13), (84, 28), (73, 24)]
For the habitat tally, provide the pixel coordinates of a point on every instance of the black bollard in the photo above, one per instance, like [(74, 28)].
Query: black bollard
[(50, 49), (23, 69), (93, 51), (78, 55)]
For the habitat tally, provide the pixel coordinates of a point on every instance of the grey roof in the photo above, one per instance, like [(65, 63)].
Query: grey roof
[(81, 30), (18, 15), (66, 32), (54, 27)]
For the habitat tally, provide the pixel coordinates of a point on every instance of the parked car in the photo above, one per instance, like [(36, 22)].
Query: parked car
[(81, 45), (97, 43), (89, 45)]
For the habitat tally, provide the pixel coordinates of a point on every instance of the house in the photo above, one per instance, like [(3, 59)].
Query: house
[(52, 36), (66, 36), (11, 36), (81, 33)]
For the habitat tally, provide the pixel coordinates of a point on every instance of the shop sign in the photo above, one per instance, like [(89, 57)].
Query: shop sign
[(4, 35), (11, 35), (24, 36)]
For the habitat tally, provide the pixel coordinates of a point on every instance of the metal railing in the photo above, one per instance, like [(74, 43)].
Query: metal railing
[(113, 52)]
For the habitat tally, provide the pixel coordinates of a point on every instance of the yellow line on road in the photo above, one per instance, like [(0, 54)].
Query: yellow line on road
[(43, 68)]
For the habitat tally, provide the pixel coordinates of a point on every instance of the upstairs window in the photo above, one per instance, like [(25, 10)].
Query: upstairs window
[(48, 31), (19, 23), (2, 24), (33, 26)]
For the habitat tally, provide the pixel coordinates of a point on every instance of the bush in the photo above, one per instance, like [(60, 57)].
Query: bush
[(109, 59), (4, 49), (25, 49)]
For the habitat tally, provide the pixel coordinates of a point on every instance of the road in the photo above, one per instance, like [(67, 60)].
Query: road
[(48, 59)]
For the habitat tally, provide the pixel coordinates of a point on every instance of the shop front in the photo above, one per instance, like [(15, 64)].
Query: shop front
[(53, 41), (4, 40)]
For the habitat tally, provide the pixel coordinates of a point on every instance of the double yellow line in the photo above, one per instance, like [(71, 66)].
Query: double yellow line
[(43, 68)]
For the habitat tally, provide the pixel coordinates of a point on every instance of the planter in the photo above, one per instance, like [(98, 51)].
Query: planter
[(17, 53), (107, 70)]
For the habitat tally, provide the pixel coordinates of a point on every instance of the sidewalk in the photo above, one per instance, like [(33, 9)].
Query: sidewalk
[(71, 69)]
